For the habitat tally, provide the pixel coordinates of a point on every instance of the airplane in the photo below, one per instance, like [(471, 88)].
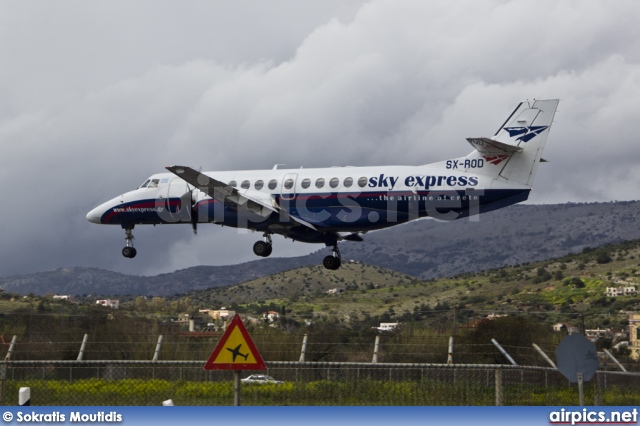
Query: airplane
[(330, 205), (236, 353)]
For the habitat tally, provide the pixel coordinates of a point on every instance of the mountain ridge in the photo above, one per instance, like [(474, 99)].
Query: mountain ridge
[(424, 249)]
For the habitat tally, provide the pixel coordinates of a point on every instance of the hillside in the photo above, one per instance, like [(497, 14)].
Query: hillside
[(561, 289), (425, 249)]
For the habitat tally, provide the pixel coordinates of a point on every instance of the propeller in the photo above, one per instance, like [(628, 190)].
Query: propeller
[(194, 214)]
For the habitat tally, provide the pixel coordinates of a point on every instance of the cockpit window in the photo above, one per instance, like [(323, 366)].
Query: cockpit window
[(154, 183), (144, 185)]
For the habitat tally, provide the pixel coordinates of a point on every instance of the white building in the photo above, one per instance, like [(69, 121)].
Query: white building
[(561, 326), (621, 291), (109, 303), (387, 326), (61, 297)]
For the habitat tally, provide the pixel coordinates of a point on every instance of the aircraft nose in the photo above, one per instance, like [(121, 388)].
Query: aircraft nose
[(94, 215)]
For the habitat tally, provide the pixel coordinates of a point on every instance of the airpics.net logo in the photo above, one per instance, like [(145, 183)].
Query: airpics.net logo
[(527, 133), (585, 416)]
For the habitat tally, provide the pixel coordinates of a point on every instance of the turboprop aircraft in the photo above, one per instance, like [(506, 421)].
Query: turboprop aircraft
[(328, 205)]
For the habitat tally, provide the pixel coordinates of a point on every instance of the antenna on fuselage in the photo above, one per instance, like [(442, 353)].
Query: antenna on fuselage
[(276, 166)]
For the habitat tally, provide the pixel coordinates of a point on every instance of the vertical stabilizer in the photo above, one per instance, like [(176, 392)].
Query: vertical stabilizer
[(514, 152)]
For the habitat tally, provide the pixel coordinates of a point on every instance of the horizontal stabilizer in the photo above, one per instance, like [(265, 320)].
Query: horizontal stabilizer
[(487, 146)]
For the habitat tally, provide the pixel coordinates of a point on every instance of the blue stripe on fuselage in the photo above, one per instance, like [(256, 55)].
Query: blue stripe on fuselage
[(344, 211)]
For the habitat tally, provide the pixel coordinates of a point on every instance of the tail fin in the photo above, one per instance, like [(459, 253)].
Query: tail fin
[(513, 153)]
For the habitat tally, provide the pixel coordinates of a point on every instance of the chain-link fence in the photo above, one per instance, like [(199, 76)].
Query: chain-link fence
[(306, 383)]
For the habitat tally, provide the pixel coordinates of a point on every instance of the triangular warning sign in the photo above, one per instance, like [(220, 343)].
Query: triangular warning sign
[(235, 350)]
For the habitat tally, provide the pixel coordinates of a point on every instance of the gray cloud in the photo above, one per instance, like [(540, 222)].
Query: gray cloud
[(99, 95)]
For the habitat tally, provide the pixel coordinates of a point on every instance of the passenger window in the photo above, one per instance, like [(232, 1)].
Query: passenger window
[(306, 183), (319, 183), (288, 184), (273, 183), (233, 183), (258, 185), (154, 183), (334, 182), (348, 182), (362, 182), (245, 184)]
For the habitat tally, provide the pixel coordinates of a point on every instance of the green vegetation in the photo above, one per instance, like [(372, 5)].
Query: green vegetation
[(322, 392), (568, 290)]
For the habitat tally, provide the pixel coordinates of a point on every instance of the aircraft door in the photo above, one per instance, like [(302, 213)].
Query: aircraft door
[(174, 210), (288, 186)]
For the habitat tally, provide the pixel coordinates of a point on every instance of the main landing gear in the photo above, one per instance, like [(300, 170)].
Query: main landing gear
[(263, 248), (129, 251), (333, 261)]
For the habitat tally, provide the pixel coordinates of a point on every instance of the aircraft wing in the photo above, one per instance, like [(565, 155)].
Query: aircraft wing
[(256, 201)]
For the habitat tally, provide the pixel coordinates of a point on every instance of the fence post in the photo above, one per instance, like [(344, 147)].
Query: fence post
[(11, 346), (82, 346), (303, 351), (503, 352), (544, 355), (620, 366), (158, 346), (450, 357), (3, 383), (596, 389), (499, 390), (375, 349)]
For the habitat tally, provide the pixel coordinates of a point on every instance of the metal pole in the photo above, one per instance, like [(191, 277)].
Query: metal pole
[(236, 388), (544, 355), (581, 389), (497, 345), (158, 346), (376, 346), (450, 356), (304, 348), (13, 344), (610, 355), (82, 346), (499, 392)]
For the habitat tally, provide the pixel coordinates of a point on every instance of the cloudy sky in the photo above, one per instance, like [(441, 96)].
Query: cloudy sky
[(97, 96)]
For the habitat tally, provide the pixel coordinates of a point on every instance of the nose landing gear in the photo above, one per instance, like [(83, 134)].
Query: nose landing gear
[(129, 250)]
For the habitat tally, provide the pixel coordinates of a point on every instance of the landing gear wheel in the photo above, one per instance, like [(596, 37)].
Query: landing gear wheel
[(129, 252), (332, 262), (262, 249)]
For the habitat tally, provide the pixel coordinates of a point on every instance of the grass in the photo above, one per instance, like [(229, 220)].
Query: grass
[(134, 392)]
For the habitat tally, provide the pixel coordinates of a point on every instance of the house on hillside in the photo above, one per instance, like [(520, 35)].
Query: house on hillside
[(565, 328), (221, 314), (387, 326), (271, 316), (61, 297), (621, 291), (109, 303)]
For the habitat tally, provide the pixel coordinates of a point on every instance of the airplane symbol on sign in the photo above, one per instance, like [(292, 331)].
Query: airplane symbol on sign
[(236, 352)]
